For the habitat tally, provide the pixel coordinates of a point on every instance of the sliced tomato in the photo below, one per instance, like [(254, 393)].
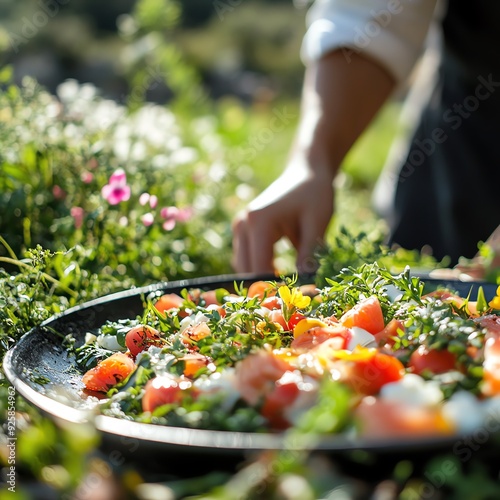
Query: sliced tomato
[(141, 337), (169, 301), (108, 372), (163, 390), (366, 314), (432, 360), (368, 370), (390, 332), (193, 362), (192, 334)]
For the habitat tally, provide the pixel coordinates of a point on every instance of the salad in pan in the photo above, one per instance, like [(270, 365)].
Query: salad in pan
[(368, 355)]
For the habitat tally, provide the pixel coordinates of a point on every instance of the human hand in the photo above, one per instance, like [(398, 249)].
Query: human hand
[(298, 205)]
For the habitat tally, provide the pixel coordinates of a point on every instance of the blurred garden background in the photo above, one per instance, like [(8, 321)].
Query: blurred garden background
[(124, 127)]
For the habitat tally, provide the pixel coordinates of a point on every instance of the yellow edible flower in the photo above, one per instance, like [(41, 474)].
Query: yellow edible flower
[(495, 302), (294, 297)]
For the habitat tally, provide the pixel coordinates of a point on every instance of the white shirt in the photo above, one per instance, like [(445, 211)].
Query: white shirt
[(391, 31)]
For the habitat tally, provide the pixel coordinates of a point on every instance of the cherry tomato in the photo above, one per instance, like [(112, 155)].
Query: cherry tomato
[(108, 372), (261, 289), (294, 319), (432, 360), (141, 337)]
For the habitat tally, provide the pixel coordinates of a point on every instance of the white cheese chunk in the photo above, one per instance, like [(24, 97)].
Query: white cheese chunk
[(412, 390), (361, 337)]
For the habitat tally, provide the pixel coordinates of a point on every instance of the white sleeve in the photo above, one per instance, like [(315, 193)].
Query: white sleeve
[(391, 31)]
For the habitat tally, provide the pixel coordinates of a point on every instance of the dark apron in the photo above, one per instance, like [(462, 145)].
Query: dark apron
[(448, 191)]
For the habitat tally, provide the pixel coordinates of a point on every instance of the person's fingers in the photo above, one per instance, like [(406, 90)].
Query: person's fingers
[(311, 237), (261, 239), (241, 258)]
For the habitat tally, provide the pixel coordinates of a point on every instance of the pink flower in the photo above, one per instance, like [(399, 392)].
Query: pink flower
[(153, 201), (184, 214), (143, 199), (116, 190), (77, 214), (58, 192), (148, 219), (92, 163), (172, 215), (146, 198), (87, 177)]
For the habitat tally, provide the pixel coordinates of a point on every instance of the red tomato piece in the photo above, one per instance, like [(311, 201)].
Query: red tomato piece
[(275, 402), (108, 372), (192, 334), (257, 374), (193, 362), (366, 314), (368, 370), (141, 337), (163, 390), (261, 289), (319, 334), (432, 360), (294, 319), (387, 335), (169, 301)]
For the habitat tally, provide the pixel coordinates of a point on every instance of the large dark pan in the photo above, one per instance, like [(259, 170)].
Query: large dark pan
[(40, 356)]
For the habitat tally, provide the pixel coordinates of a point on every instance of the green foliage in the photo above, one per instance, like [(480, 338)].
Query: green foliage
[(351, 248), (57, 157)]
